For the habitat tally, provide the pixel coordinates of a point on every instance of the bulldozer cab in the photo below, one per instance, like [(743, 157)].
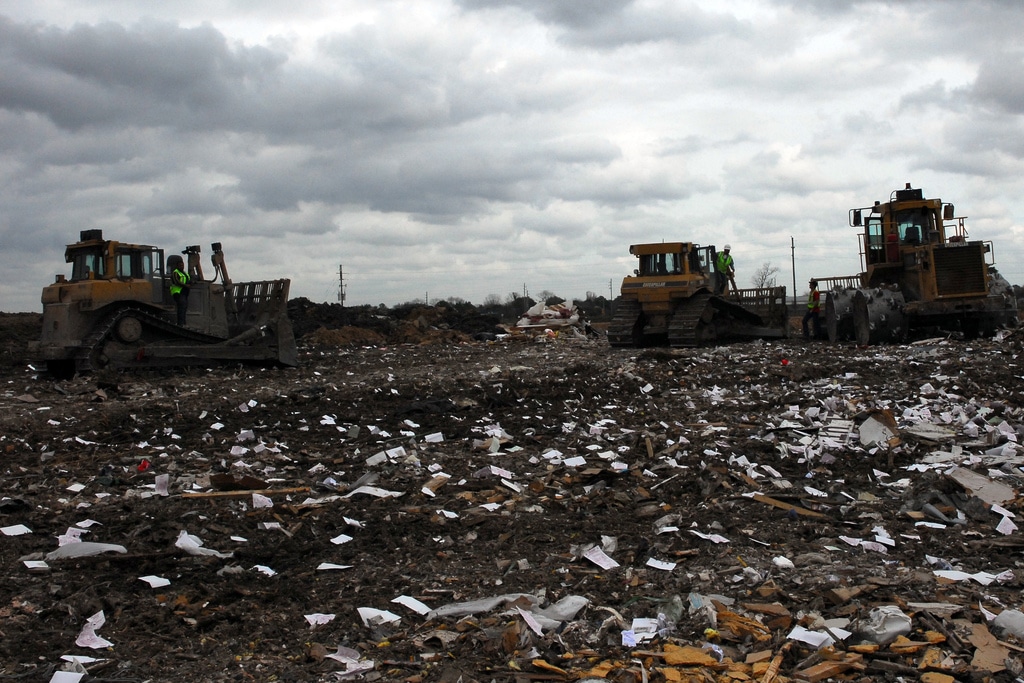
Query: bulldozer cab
[(94, 259), (683, 261)]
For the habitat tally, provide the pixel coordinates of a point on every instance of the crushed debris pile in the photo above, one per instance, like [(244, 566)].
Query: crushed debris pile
[(327, 324), (522, 512)]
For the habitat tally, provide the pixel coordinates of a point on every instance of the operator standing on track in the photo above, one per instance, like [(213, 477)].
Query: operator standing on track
[(813, 311), (724, 270), (179, 286)]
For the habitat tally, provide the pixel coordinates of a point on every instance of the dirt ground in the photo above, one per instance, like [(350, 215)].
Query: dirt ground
[(740, 468)]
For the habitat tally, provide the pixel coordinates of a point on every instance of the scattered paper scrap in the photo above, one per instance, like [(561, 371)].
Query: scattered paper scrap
[(193, 545), (88, 637), (375, 617), (412, 603), (319, 619), (600, 558), (323, 566), (155, 581)]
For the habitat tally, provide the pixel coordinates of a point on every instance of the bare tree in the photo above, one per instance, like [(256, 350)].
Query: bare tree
[(765, 276)]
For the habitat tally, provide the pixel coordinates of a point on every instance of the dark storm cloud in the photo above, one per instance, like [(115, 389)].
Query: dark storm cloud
[(609, 24), (575, 15), (108, 75), (351, 132), (1000, 83)]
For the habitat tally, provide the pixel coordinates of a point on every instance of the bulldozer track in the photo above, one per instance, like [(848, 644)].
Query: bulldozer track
[(621, 329), (88, 356), (686, 321)]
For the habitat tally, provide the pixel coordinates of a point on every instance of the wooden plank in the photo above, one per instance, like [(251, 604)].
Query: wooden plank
[(767, 500), (239, 494), (820, 672)]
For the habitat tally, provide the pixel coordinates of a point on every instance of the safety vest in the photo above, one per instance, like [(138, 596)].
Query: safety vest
[(724, 262), (179, 280), (814, 300)]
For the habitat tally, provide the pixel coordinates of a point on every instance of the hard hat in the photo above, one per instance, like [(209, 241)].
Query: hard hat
[(726, 248)]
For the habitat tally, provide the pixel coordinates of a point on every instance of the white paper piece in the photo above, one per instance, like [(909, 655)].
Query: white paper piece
[(577, 461), (15, 530), (436, 437), (88, 637), (660, 564), (319, 619), (412, 603), (261, 501), (374, 617), (340, 539), (193, 545), (598, 557), (36, 566), (1006, 526), (264, 569), (1000, 510), (76, 488), (374, 491), (84, 549), (644, 629), (163, 481), (155, 581), (710, 537), (984, 578), (350, 658), (72, 535), (530, 621), (628, 638), (330, 565), (495, 471), (66, 677), (813, 638)]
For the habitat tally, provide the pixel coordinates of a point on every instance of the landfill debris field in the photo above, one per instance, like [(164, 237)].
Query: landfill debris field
[(536, 508)]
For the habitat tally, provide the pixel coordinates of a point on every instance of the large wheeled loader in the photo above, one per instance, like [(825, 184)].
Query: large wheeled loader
[(116, 311), (670, 300), (921, 274)]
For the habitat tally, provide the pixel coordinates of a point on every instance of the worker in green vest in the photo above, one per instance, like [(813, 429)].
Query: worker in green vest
[(180, 282), (724, 270)]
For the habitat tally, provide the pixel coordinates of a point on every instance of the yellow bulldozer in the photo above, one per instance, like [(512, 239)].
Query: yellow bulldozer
[(116, 311), (670, 300), (921, 273)]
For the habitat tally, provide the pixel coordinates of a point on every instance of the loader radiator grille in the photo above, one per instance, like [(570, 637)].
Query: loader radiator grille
[(960, 270)]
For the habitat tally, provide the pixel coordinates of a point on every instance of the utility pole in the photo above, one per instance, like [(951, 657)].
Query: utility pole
[(792, 256), (341, 285)]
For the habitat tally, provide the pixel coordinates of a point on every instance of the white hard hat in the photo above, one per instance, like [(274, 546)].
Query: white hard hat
[(726, 248)]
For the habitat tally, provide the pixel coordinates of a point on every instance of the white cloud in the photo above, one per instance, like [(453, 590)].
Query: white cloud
[(472, 147)]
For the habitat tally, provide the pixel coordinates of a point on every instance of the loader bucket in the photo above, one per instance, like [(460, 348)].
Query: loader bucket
[(262, 308)]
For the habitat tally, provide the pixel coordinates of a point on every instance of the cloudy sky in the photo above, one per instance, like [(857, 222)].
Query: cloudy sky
[(463, 148)]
